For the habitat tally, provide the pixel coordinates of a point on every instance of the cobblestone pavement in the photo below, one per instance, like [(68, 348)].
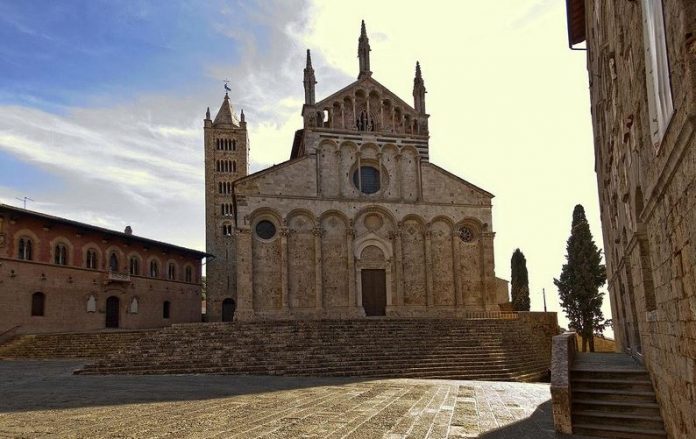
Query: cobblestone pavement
[(42, 399)]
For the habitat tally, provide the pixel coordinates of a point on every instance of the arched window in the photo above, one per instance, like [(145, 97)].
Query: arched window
[(234, 145), (227, 229), (134, 266), (217, 165), (189, 274), (60, 255), (165, 309), (234, 166), (154, 269), (38, 303), (113, 262), (171, 271), (91, 259), (24, 250), (219, 188)]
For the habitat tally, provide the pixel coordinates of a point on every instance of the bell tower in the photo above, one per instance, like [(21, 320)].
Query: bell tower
[(226, 145)]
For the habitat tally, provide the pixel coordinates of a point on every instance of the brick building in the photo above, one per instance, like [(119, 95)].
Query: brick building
[(641, 62), (61, 275), (357, 222)]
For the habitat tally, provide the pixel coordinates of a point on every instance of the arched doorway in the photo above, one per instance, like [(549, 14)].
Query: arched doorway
[(373, 280), (112, 307), (228, 307)]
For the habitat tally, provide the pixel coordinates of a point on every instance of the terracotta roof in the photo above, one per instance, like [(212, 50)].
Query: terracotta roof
[(57, 219), (575, 12)]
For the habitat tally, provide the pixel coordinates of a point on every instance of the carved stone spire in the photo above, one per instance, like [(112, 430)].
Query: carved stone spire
[(419, 91), (309, 81), (364, 53), (207, 114), (241, 116)]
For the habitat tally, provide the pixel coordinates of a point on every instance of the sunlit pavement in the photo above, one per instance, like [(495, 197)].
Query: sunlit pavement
[(43, 399)]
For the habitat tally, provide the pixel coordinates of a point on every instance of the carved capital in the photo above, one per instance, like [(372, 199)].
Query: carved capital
[(318, 231), (285, 232)]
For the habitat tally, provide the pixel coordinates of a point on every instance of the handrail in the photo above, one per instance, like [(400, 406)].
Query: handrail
[(4, 335)]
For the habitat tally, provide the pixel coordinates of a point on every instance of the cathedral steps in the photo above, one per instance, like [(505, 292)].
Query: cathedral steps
[(449, 349), (613, 397), (70, 345)]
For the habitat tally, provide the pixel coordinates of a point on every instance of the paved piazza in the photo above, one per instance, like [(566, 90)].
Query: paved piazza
[(42, 399)]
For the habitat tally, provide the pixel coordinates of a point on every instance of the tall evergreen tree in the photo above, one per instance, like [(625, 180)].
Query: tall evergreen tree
[(519, 281), (580, 279)]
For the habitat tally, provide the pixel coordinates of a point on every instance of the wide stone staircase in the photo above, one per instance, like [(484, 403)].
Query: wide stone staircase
[(613, 397), (70, 345), (484, 349)]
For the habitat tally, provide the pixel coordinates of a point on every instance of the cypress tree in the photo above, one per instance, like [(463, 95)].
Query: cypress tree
[(519, 281), (580, 279)]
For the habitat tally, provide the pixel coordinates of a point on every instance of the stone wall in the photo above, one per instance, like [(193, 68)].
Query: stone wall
[(647, 196)]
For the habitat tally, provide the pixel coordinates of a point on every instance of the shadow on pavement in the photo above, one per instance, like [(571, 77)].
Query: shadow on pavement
[(50, 385)]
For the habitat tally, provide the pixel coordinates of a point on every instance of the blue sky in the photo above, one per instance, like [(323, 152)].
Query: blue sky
[(101, 104)]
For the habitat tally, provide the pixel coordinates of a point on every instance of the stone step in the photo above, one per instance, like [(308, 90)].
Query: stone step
[(615, 383), (633, 407), (614, 431), (620, 419), (584, 393)]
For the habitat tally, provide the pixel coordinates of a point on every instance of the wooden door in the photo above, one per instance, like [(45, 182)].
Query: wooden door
[(112, 305), (374, 292)]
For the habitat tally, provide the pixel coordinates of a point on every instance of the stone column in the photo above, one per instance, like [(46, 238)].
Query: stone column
[(245, 287), (428, 266), (419, 179), (397, 163), (343, 115), (350, 234), (284, 261), (381, 113), (319, 298), (487, 271), (456, 262), (353, 120), (399, 257), (339, 174)]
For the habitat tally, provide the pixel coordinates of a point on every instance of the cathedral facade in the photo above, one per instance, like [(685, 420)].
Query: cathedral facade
[(356, 223)]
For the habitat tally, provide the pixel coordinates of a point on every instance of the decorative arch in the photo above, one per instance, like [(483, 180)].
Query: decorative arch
[(336, 213), (137, 268), (172, 268), (35, 243), (376, 208), (157, 267), (61, 240), (107, 256), (372, 239), (97, 251), (301, 212)]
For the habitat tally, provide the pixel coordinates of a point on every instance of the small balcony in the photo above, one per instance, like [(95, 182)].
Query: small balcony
[(114, 276)]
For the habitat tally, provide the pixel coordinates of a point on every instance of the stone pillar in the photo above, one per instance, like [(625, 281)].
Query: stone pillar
[(358, 154), (419, 182), (456, 262), (319, 298), (350, 234), (245, 287), (399, 257), (428, 266), (353, 120), (488, 272), (381, 113), (339, 174), (398, 184), (284, 261), (343, 115)]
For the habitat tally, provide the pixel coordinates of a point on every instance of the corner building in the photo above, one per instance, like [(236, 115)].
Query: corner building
[(641, 62), (356, 223)]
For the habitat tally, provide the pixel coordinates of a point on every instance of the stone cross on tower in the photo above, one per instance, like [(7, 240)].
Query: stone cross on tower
[(364, 53)]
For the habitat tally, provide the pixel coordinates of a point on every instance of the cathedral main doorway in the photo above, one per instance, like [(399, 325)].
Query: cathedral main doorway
[(374, 291), (112, 305)]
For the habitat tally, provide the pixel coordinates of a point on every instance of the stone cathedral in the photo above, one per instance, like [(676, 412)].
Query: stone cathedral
[(356, 223)]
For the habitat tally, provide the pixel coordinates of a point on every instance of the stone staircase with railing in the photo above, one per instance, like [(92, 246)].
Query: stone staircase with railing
[(613, 397), (70, 345), (482, 349)]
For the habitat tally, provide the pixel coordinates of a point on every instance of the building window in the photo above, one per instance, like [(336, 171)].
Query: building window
[(227, 229), (165, 309), (60, 256), (38, 302), (234, 145), (366, 179), (25, 248), (657, 80), (113, 262), (265, 229), (189, 274), (91, 259), (154, 269), (134, 266), (466, 234), (171, 271)]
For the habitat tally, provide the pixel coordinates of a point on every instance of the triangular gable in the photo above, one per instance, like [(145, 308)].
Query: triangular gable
[(483, 192), (362, 83)]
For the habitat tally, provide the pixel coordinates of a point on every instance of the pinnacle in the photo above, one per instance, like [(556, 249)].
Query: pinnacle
[(363, 31), (418, 70), (309, 59)]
